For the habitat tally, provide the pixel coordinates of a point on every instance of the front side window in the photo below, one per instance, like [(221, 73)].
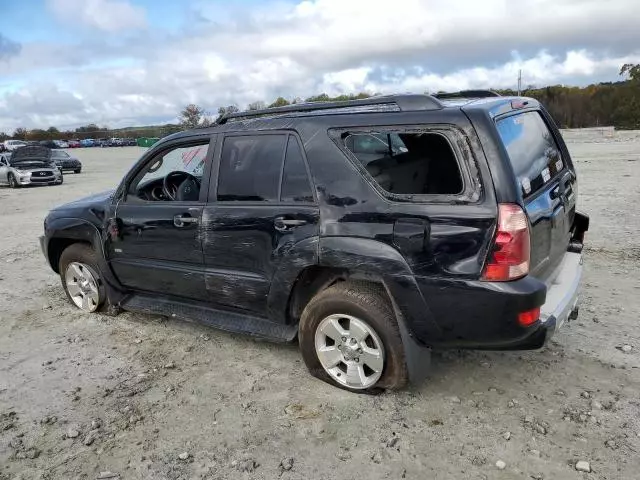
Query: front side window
[(173, 175), (250, 168), (407, 163)]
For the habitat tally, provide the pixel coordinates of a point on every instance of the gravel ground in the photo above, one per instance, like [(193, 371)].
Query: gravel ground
[(140, 397)]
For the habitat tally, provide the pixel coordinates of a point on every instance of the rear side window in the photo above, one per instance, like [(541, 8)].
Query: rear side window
[(532, 150), (295, 180), (407, 163), (250, 168)]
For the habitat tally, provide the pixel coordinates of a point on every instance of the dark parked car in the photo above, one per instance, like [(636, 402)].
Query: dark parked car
[(49, 144), (129, 142), (460, 232), (66, 162)]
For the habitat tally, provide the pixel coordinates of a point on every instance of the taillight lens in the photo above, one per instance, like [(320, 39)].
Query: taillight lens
[(509, 258)]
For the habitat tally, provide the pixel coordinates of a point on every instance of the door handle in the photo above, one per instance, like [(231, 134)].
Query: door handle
[(283, 224), (181, 221)]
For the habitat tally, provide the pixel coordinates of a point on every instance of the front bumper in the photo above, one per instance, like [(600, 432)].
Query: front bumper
[(563, 290)]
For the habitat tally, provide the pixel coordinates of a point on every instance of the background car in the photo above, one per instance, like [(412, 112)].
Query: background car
[(66, 162), (74, 143), (49, 144), (61, 143), (87, 142), (11, 145), (29, 165), (129, 142)]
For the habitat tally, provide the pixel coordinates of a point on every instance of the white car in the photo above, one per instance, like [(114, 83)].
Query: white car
[(11, 145), (61, 144), (32, 166)]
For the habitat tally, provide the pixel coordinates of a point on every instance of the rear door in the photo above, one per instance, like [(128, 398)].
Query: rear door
[(260, 207), (547, 183)]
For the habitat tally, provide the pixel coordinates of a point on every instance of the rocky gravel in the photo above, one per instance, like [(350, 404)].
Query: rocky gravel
[(142, 397)]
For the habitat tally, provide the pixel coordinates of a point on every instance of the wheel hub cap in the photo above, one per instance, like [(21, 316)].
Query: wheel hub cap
[(82, 286), (350, 351)]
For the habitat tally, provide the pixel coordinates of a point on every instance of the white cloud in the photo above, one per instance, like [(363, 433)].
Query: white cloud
[(332, 46), (105, 15)]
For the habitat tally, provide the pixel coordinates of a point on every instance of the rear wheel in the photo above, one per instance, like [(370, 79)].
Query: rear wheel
[(349, 337), (81, 277), (13, 183), (77, 171)]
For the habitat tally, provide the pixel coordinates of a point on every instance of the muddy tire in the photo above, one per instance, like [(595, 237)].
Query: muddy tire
[(81, 278), (349, 337)]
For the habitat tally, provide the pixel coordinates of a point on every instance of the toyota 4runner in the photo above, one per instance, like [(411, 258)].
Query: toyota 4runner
[(373, 230)]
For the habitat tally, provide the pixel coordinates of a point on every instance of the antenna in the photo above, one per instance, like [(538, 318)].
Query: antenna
[(519, 82)]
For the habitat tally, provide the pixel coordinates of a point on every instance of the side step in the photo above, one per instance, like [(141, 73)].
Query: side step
[(224, 320)]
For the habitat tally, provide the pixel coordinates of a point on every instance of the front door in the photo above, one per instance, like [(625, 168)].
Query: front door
[(156, 246), (4, 169), (261, 212)]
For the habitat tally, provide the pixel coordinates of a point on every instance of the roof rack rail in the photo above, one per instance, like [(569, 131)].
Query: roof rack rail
[(467, 94), (403, 102)]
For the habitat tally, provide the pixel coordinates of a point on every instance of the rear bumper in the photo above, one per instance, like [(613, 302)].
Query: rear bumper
[(562, 294), (484, 315)]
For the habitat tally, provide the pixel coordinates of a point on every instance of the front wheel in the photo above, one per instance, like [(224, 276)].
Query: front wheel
[(13, 183), (349, 337), (81, 277), (77, 171)]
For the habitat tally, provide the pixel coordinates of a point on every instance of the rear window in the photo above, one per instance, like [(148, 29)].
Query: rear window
[(532, 150)]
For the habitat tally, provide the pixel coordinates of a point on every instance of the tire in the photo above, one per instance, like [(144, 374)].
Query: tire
[(61, 180), (13, 183), (77, 171), (355, 304), (81, 277)]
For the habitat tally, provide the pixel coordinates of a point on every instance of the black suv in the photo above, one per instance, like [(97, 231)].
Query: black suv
[(374, 230)]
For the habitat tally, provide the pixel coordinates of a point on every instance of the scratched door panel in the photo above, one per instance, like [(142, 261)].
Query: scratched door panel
[(243, 250), (153, 254)]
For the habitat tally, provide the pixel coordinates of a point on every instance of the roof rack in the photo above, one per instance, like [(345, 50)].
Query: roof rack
[(467, 94), (402, 102)]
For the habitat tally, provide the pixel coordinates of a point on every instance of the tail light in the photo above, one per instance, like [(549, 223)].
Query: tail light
[(509, 258)]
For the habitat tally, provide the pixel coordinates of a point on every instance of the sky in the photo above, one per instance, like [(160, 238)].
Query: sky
[(66, 63)]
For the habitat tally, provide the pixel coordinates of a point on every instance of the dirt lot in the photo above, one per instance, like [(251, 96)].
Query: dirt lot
[(150, 398)]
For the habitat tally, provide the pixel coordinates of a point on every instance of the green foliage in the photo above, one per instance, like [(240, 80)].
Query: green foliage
[(191, 116)]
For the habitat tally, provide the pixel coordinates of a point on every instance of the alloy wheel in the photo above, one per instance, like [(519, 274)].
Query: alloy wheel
[(82, 286), (350, 351)]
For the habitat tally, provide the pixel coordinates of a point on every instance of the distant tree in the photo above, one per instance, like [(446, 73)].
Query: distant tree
[(222, 111), (630, 70), (260, 105), (37, 134), (191, 116), (20, 133), (279, 102), (53, 132), (3, 136)]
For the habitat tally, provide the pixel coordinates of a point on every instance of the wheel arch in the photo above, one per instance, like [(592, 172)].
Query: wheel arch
[(347, 258)]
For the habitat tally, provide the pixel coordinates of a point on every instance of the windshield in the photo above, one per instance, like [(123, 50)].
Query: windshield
[(59, 154)]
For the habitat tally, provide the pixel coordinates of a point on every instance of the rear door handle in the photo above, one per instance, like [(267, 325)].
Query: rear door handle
[(181, 221), (282, 224)]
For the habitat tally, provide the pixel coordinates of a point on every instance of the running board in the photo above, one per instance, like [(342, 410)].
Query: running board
[(224, 320)]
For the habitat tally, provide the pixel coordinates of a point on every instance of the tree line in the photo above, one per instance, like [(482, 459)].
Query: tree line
[(605, 104)]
